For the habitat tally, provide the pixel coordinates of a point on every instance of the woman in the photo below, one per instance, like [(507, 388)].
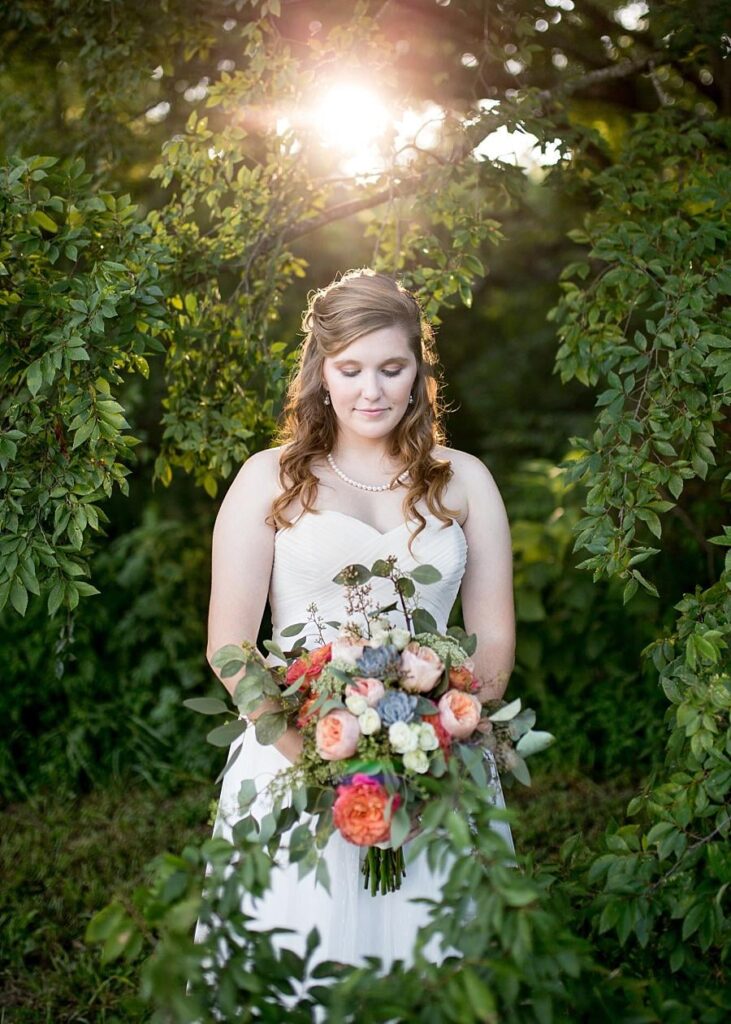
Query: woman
[(360, 459)]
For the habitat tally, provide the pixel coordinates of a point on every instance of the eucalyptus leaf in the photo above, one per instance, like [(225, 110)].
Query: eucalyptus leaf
[(270, 726), (224, 735), (247, 795), (423, 621), (507, 712), (206, 705), (533, 742), (275, 649), (232, 759), (293, 630), (425, 574), (520, 770), (400, 825), (230, 652)]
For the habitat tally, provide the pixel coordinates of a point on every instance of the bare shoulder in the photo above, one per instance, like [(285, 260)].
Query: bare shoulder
[(472, 486), (253, 489)]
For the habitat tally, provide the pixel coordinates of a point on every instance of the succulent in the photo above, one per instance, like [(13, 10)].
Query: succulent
[(379, 662), (397, 706)]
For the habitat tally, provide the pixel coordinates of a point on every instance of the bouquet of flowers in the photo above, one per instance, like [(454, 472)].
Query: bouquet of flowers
[(382, 709)]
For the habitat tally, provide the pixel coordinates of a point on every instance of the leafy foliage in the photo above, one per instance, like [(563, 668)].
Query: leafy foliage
[(79, 304)]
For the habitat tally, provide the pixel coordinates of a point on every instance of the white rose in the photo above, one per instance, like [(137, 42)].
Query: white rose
[(400, 638), (356, 704), (369, 721), (346, 649), (416, 761), (428, 739), (402, 737)]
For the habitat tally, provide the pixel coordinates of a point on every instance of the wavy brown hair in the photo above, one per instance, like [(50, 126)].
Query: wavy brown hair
[(357, 303)]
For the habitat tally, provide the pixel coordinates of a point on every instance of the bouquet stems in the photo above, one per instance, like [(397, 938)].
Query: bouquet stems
[(385, 868)]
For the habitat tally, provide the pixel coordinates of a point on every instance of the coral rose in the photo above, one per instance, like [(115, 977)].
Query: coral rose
[(460, 678), (309, 664), (337, 735), (371, 689), (421, 667), (359, 808), (459, 713), (304, 716)]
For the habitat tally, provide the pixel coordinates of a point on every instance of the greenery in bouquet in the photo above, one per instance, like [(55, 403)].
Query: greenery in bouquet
[(382, 710)]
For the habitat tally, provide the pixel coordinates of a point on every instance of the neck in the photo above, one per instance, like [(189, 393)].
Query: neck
[(364, 451)]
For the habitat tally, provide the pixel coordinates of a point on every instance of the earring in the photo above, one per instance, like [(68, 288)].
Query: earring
[(326, 399), (411, 398)]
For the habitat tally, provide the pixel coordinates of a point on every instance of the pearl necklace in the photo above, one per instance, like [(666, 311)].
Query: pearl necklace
[(355, 483)]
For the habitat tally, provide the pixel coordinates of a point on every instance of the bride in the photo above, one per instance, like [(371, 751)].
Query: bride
[(360, 472)]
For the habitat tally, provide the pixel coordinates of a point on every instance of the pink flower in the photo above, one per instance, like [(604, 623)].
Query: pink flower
[(337, 735), (347, 648), (371, 689), (421, 667), (459, 713)]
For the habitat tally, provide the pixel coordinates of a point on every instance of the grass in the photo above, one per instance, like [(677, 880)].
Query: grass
[(62, 860)]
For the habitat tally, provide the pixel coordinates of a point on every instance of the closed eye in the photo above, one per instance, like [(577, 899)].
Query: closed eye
[(388, 373)]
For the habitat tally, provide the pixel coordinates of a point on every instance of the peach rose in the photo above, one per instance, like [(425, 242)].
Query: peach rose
[(459, 713), (359, 808), (421, 667), (337, 735), (365, 686)]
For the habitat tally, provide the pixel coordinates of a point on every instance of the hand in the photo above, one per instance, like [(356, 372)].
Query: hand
[(291, 744)]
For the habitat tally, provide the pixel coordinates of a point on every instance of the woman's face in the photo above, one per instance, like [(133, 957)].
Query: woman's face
[(370, 381)]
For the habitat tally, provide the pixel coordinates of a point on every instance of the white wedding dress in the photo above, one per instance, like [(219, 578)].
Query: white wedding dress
[(352, 923)]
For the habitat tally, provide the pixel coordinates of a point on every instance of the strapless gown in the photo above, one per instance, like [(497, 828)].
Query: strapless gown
[(352, 923)]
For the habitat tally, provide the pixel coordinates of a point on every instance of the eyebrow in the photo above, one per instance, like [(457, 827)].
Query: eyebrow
[(394, 359)]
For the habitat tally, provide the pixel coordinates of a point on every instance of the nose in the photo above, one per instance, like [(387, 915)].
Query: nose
[(370, 387)]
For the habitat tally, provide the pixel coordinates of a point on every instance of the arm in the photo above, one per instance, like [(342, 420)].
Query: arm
[(242, 556), (487, 586)]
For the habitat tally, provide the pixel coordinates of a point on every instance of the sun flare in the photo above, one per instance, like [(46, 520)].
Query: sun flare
[(350, 117)]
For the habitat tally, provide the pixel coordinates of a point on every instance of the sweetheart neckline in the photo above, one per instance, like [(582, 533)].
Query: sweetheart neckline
[(368, 526)]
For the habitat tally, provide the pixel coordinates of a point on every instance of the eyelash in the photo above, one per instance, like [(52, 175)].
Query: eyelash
[(389, 373)]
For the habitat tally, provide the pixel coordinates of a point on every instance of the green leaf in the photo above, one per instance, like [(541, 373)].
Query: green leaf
[(520, 770), (270, 726), (18, 597), (473, 758), (40, 219), (533, 742), (206, 705), (507, 712), (293, 630), (55, 598), (400, 825), (423, 621), (425, 574), (230, 652), (232, 759), (247, 795), (481, 999), (34, 377), (224, 735)]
